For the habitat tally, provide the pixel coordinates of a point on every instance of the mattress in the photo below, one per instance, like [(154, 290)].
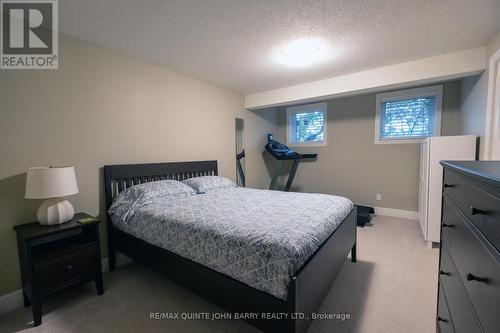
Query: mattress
[(258, 237)]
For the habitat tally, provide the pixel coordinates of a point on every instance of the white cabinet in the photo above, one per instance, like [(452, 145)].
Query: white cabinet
[(434, 150)]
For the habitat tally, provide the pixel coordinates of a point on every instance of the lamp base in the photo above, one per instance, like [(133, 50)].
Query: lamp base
[(55, 211)]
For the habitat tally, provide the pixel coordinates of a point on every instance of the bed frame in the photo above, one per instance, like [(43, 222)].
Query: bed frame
[(307, 288)]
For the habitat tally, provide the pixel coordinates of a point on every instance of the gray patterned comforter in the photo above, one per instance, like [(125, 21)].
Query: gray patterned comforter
[(259, 237)]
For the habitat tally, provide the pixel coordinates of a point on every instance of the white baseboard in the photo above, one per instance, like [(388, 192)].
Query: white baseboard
[(400, 213), (14, 300)]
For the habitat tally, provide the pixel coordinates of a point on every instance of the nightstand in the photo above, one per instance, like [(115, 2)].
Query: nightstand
[(54, 258)]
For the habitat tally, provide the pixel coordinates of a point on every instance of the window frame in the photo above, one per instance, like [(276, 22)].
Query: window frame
[(436, 90), (322, 106)]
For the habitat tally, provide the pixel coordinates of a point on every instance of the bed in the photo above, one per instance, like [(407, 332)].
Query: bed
[(301, 264)]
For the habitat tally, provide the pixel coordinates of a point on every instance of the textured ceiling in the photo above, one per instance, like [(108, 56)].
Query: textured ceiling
[(230, 42)]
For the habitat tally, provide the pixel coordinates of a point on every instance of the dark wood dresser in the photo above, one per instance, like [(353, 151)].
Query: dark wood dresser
[(469, 266)]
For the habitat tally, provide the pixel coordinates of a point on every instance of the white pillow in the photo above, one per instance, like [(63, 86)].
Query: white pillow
[(130, 200), (209, 183)]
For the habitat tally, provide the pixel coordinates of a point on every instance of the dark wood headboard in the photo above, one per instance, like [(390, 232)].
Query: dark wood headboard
[(119, 177)]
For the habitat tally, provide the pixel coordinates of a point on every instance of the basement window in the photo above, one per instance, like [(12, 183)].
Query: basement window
[(408, 116), (306, 125)]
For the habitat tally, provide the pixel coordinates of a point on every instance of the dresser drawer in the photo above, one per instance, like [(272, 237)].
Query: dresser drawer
[(461, 312), (479, 272), (482, 208), (64, 268), (444, 323)]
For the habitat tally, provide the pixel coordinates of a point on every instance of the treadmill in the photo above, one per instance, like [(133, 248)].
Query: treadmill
[(282, 153)]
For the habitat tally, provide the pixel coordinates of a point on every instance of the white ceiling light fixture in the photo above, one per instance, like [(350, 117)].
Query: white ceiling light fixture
[(302, 52)]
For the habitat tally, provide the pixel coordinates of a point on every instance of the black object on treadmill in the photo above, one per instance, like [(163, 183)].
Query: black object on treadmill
[(281, 152)]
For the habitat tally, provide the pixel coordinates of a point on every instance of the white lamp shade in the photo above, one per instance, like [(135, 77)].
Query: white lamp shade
[(50, 182)]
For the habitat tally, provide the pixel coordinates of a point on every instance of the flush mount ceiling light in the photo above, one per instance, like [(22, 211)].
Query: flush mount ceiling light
[(302, 52)]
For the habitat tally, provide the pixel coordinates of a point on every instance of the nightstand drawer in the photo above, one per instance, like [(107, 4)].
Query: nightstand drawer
[(68, 266), (480, 207)]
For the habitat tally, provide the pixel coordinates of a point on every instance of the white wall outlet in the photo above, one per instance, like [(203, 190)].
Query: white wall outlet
[(379, 196)]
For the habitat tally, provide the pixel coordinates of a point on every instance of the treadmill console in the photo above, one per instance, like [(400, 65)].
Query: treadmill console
[(280, 151)]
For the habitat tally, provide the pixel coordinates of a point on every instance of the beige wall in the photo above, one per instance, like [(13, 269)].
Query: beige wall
[(474, 96), (353, 166), (100, 108), (453, 120)]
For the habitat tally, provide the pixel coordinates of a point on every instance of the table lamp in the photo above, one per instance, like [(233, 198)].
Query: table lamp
[(53, 184)]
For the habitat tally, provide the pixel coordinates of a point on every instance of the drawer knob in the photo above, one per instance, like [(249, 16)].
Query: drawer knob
[(70, 267), (446, 225), (444, 273), (448, 185), (472, 277), (476, 211), (442, 319)]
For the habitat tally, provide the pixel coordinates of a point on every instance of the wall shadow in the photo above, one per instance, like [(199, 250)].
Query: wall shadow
[(14, 210), (269, 163), (13, 205), (471, 82)]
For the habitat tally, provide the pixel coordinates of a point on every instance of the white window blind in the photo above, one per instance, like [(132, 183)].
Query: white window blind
[(307, 124), (409, 114), (414, 117)]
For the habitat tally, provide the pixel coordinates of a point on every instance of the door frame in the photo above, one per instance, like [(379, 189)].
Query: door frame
[(492, 127)]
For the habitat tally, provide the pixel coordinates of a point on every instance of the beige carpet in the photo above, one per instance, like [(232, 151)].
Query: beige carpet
[(392, 288)]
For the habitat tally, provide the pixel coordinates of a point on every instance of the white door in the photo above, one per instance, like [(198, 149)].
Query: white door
[(423, 186)]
